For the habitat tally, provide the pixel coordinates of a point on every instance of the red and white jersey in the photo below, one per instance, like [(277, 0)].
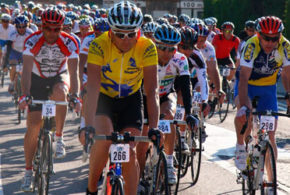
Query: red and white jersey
[(50, 59)]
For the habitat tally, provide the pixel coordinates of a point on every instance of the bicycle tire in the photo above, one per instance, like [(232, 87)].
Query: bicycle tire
[(272, 184), (177, 163), (212, 108), (118, 187), (196, 151), (247, 184), (160, 178), (45, 162), (224, 108), (2, 78)]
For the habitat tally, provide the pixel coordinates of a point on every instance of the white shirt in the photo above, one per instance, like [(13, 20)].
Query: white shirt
[(18, 40), (208, 52), (211, 36), (4, 33)]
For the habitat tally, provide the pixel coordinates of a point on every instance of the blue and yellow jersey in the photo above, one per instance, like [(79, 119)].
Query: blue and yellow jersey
[(265, 67), (122, 73)]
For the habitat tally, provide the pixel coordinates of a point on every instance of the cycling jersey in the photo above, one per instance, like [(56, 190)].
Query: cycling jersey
[(210, 36), (197, 67), (4, 33), (50, 59), (33, 27), (223, 47), (77, 39), (122, 73), (177, 66), (208, 52), (86, 44), (18, 40), (265, 67)]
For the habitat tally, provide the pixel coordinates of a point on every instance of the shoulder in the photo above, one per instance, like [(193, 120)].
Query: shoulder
[(179, 59), (32, 39), (198, 58), (69, 41), (99, 45), (286, 47), (250, 47), (209, 46), (146, 47)]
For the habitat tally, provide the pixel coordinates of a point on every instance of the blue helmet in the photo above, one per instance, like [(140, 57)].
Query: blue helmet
[(101, 24), (167, 34), (149, 27), (21, 20), (67, 21), (201, 29), (72, 15)]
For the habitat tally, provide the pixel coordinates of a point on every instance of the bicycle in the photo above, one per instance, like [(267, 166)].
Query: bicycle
[(194, 140), (259, 148), (17, 90), (43, 160)]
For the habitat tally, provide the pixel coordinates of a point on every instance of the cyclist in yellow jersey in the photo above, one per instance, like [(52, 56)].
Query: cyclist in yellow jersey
[(118, 60), (263, 57)]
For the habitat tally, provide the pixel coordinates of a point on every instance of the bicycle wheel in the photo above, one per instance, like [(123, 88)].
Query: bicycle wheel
[(185, 158), (224, 108), (247, 183), (212, 105), (160, 177), (196, 150), (177, 161), (118, 187), (270, 174), (45, 165), (2, 78)]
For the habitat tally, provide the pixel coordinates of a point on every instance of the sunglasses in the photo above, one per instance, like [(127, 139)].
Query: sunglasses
[(21, 27), (56, 30), (164, 48), (186, 47), (228, 31), (148, 34), (122, 35), (272, 39), (250, 30)]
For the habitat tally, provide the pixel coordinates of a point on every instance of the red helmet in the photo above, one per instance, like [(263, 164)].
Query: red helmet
[(53, 16), (269, 25)]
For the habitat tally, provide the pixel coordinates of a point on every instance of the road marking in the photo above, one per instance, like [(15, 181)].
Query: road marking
[(220, 148), (1, 187)]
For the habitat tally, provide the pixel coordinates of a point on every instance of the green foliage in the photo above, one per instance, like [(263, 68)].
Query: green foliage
[(239, 11)]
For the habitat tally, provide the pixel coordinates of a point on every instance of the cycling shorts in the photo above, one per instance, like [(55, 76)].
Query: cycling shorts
[(124, 112), (3, 43), (15, 55), (224, 61), (41, 88)]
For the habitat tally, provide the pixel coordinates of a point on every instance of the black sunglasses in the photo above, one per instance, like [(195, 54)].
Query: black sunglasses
[(164, 48), (122, 35), (186, 47), (272, 39)]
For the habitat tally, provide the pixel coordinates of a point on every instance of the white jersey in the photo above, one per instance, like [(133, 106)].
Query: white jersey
[(76, 27), (211, 36), (50, 59), (208, 52), (33, 27), (4, 33), (86, 44), (18, 40), (177, 66)]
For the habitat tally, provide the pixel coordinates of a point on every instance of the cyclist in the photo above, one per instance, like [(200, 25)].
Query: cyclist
[(50, 58), (148, 29), (248, 31), (214, 28), (5, 29), (118, 60), (67, 27), (208, 52), (224, 43), (210, 24), (263, 56), (183, 20), (15, 45), (85, 27)]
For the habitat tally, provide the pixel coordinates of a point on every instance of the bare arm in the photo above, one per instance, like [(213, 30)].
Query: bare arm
[(245, 74), (73, 73), (26, 74), (213, 73), (151, 89), (93, 91), (83, 60)]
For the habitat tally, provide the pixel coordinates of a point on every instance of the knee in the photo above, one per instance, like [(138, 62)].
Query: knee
[(59, 92)]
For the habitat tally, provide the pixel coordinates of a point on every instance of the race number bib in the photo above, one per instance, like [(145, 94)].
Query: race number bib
[(226, 72), (180, 112), (48, 110), (120, 153), (164, 126), (267, 123), (196, 97)]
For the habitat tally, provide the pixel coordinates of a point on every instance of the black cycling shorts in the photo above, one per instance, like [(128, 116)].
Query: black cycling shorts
[(224, 61), (124, 112), (41, 88)]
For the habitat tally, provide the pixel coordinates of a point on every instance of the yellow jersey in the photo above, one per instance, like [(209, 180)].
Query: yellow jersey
[(265, 67), (122, 73)]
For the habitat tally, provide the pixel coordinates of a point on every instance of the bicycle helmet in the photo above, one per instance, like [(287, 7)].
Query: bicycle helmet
[(173, 18), (21, 20), (201, 29), (188, 36), (250, 24), (149, 27), (85, 22), (147, 18), (87, 6), (30, 5), (101, 24), (162, 21), (184, 18), (94, 7), (6, 17), (208, 21), (214, 20), (167, 34), (72, 15), (67, 21), (60, 6), (125, 16), (53, 16), (227, 25), (269, 25)]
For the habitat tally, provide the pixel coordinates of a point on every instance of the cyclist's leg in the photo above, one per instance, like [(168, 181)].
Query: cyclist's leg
[(142, 148), (232, 72)]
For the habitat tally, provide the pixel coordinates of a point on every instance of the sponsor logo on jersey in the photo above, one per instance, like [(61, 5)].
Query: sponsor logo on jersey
[(249, 51), (286, 47)]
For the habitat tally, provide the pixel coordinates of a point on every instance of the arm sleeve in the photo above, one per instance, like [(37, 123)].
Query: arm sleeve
[(201, 75), (184, 83)]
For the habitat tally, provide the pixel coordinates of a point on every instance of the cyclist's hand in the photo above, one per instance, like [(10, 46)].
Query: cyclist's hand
[(221, 96), (24, 101), (156, 136), (242, 114), (75, 102), (89, 130), (191, 121)]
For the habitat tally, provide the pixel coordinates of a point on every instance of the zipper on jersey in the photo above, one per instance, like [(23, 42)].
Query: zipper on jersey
[(121, 70)]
